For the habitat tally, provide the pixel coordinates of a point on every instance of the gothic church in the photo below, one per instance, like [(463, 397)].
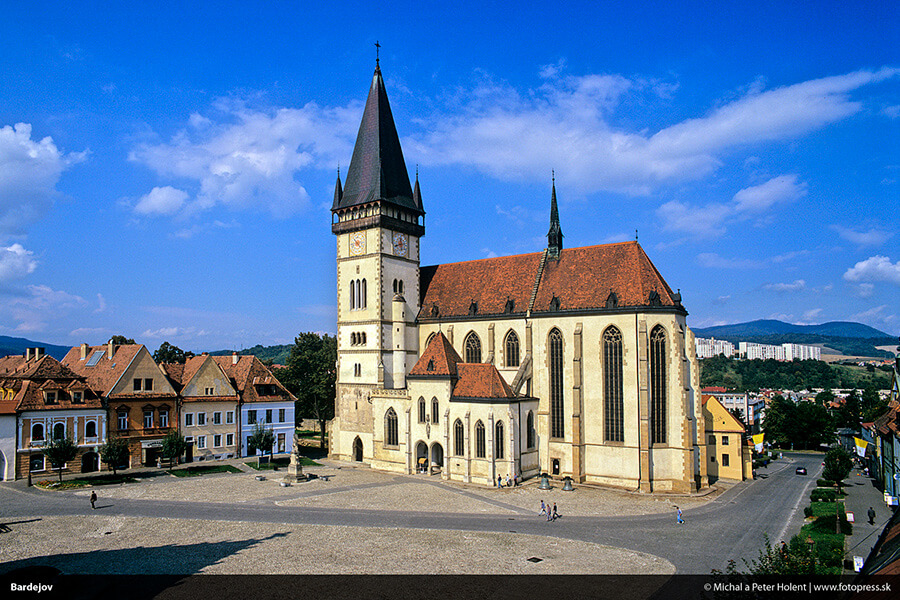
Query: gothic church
[(576, 362)]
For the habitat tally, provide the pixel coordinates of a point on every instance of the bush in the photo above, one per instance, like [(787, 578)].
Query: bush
[(825, 483), (823, 495), (808, 512)]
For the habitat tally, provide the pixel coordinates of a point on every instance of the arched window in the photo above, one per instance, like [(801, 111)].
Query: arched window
[(473, 348), (480, 450), (529, 425), (557, 426), (658, 385), (421, 409), (614, 397), (512, 349), (391, 431), (400, 286), (459, 439), (59, 431), (362, 303), (90, 430), (37, 432), (435, 411), (498, 440), (352, 295)]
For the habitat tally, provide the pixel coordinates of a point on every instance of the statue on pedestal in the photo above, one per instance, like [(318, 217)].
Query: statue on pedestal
[(295, 470)]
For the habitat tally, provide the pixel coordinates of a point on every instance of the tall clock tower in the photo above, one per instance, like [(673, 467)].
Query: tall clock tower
[(378, 220)]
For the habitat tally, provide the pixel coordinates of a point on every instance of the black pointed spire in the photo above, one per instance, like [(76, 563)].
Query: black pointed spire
[(338, 191), (417, 194), (377, 170), (555, 235)]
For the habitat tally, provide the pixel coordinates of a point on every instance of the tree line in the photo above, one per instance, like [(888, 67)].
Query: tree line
[(754, 375)]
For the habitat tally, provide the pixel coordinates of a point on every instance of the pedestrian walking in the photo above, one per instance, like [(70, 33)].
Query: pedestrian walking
[(499, 481), (508, 480), (871, 514), (678, 518), (516, 480), (94, 499), (543, 509), (555, 514), (549, 514)]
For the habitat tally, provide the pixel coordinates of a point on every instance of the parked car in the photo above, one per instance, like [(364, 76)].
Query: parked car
[(801, 471)]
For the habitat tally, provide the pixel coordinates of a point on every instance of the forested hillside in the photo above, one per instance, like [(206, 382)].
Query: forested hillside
[(753, 375)]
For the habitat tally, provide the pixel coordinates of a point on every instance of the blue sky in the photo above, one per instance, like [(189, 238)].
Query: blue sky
[(166, 171)]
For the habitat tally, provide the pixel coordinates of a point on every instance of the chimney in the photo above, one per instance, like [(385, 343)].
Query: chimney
[(234, 358), (111, 349), (84, 350), (27, 354), (39, 352)]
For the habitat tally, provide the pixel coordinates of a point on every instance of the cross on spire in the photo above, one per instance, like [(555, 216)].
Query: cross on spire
[(377, 48)]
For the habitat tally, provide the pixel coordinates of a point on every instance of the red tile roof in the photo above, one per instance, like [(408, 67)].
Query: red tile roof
[(481, 380), (103, 375), (30, 379), (582, 279), (438, 359), (249, 372)]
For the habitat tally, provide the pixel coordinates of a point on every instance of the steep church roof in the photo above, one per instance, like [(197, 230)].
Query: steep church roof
[(480, 381), (377, 169), (438, 359), (607, 277)]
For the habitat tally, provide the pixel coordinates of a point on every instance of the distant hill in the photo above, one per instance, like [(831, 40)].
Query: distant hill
[(852, 339), (277, 354), (11, 346)]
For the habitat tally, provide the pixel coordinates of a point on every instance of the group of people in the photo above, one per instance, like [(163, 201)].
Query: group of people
[(551, 515), (510, 481)]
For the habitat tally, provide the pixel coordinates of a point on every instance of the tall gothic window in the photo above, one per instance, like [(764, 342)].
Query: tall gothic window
[(529, 426), (614, 398), (362, 303), (480, 450), (512, 349), (391, 431), (421, 409), (498, 439), (352, 294), (435, 410), (658, 385), (459, 439), (557, 427), (473, 348)]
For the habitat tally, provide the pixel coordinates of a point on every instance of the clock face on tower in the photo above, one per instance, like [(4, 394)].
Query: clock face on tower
[(357, 243), (401, 244)]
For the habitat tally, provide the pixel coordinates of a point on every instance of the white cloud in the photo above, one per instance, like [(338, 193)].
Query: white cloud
[(875, 268), (796, 286), (101, 304), (712, 260), (812, 314), (865, 290), (29, 172), (515, 135), (40, 304), (16, 262), (161, 201), (872, 237), (248, 158), (711, 220)]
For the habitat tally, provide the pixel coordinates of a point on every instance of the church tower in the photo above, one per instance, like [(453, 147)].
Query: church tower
[(378, 220)]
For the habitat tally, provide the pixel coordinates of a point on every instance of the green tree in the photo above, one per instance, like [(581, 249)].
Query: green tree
[(167, 353), (849, 413), (173, 446), (121, 340), (824, 398), (872, 406), (812, 426), (837, 465), (114, 453), (310, 376), (778, 420), (261, 439), (794, 558), (59, 451)]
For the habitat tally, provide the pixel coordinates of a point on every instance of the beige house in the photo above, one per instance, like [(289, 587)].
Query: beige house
[(729, 456), (209, 408), (592, 341)]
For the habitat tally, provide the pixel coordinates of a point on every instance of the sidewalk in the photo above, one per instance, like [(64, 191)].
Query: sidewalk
[(861, 494)]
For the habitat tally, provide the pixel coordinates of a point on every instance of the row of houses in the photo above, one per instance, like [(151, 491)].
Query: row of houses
[(96, 393)]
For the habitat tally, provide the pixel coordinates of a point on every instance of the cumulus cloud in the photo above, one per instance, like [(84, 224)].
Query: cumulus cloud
[(875, 268), (872, 237), (567, 121), (712, 219), (713, 260), (812, 314), (796, 286), (29, 172), (16, 262), (39, 304), (246, 158), (161, 201)]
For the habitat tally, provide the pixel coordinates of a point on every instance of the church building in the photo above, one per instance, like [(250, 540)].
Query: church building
[(575, 362)]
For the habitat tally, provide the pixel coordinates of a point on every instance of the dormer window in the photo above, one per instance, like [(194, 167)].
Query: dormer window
[(612, 301), (50, 397), (473, 308), (430, 366), (510, 306), (77, 397), (554, 303)]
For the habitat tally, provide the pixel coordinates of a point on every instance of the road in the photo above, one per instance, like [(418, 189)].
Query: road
[(731, 527)]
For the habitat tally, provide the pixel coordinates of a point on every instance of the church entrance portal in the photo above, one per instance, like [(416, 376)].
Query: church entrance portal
[(421, 457), (437, 458), (357, 450)]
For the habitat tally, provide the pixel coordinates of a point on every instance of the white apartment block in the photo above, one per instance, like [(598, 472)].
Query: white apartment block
[(707, 348), (786, 352)]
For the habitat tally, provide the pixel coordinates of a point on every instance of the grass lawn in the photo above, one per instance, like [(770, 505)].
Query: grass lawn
[(91, 480), (829, 546), (281, 463), (196, 471)]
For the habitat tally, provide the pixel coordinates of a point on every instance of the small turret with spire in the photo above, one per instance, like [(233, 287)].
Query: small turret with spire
[(555, 235)]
